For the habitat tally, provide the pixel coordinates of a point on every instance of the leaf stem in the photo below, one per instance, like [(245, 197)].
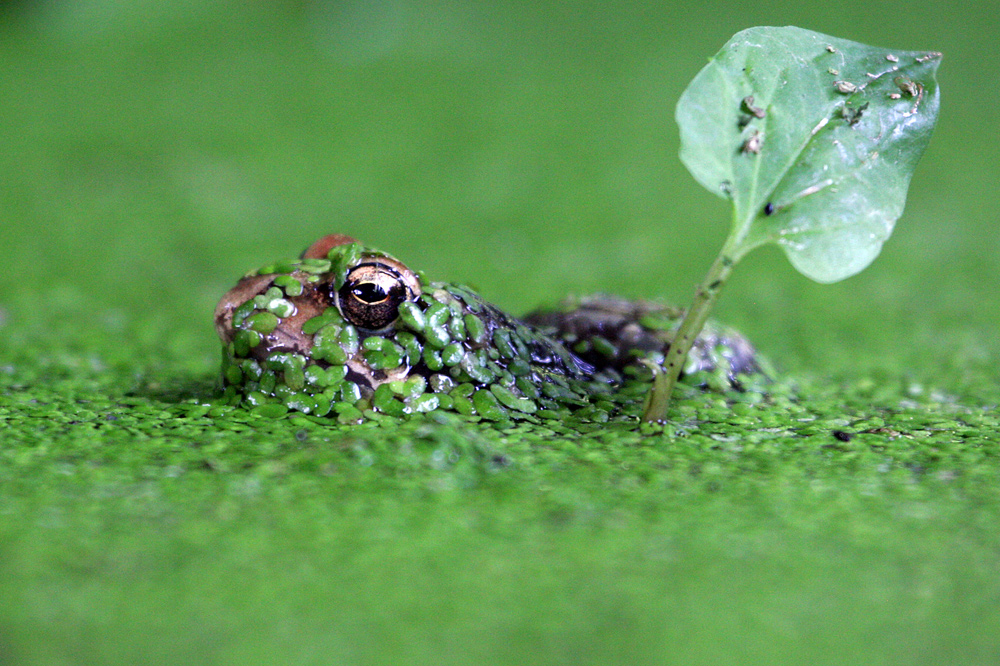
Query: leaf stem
[(676, 358)]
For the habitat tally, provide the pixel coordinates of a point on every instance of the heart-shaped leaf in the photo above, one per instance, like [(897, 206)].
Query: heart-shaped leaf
[(813, 138)]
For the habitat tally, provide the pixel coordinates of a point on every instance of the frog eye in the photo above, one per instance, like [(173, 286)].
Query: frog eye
[(373, 292)]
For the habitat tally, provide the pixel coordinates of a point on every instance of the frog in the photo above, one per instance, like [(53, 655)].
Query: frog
[(349, 332)]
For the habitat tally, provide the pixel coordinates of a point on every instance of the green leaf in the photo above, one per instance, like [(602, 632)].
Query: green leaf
[(814, 140)]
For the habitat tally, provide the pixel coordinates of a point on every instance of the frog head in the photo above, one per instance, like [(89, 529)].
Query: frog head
[(288, 311)]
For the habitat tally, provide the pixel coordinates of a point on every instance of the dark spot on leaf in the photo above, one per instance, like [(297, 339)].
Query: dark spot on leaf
[(906, 85), (753, 143), (845, 87), (747, 106), (852, 116), (842, 436)]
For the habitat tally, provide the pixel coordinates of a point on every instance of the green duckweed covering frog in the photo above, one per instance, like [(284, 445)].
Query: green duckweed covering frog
[(348, 331)]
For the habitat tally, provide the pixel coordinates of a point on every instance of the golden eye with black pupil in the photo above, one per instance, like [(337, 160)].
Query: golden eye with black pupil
[(373, 291), (369, 293)]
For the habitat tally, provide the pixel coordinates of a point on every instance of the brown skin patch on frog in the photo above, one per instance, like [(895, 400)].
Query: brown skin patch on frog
[(245, 289), (322, 247), (288, 336)]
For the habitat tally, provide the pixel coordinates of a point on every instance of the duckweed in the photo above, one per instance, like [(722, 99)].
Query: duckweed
[(262, 322), (475, 328), (411, 316)]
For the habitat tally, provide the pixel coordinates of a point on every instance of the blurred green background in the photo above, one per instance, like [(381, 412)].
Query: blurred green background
[(151, 152)]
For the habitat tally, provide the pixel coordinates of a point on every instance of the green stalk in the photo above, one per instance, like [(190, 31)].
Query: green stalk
[(704, 298)]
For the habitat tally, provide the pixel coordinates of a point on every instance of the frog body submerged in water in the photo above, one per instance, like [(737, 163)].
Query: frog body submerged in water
[(347, 328)]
